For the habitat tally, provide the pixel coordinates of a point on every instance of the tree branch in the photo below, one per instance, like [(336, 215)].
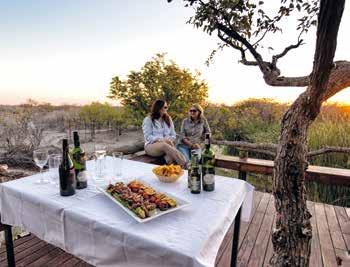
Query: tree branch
[(329, 149), (275, 58), (236, 36), (339, 79)]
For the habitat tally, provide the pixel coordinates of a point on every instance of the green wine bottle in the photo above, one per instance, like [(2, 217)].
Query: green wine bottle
[(208, 166), (79, 162)]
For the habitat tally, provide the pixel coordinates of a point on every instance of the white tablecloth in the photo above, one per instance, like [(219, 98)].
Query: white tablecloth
[(92, 227)]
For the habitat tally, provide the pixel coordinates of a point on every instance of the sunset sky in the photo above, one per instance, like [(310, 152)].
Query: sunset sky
[(67, 51)]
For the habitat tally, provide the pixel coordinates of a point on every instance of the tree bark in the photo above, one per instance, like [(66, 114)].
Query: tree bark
[(292, 236)]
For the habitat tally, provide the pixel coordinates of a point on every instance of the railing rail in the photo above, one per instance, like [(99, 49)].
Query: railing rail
[(325, 175)]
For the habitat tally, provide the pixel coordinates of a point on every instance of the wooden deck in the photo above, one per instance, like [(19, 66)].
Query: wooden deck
[(330, 243)]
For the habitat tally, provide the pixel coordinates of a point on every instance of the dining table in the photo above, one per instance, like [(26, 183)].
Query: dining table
[(92, 227)]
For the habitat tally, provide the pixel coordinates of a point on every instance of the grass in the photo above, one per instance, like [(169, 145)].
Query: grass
[(258, 121)]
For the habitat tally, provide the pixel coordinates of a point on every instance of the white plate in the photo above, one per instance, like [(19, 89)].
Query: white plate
[(180, 204)]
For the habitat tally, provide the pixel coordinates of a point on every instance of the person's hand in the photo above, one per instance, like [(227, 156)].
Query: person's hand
[(159, 140), (195, 146), (169, 142)]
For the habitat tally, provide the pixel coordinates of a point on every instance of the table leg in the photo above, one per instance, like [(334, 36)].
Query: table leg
[(235, 240), (9, 246)]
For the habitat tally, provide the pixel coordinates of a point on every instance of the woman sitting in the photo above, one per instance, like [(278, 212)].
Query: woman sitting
[(193, 130), (159, 133)]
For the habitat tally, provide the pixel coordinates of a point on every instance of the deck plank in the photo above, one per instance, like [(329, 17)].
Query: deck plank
[(334, 228), (43, 260), (244, 227), (21, 249), (262, 239), (330, 243), (19, 241), (327, 249), (59, 260), (347, 240), (316, 256), (347, 210), (35, 256), (269, 250), (343, 219), (71, 262), (253, 230), (343, 257)]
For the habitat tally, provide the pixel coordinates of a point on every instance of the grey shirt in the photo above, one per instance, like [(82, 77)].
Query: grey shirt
[(194, 131)]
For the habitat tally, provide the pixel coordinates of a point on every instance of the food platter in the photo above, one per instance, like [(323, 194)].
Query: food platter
[(177, 203)]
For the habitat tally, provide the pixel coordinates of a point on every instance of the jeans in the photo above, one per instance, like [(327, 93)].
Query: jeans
[(186, 151)]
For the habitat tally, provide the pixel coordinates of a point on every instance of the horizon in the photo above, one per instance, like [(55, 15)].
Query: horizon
[(112, 103), (68, 52)]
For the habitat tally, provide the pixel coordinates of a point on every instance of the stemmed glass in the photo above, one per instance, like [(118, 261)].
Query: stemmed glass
[(40, 157), (100, 154)]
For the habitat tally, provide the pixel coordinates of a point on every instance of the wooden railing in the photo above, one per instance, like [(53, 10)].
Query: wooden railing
[(319, 174), (325, 175)]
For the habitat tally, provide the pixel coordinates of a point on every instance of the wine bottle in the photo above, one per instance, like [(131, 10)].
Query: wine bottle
[(196, 185), (66, 172), (208, 168), (189, 167), (79, 162)]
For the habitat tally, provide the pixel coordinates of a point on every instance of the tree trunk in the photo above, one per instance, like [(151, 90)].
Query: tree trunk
[(292, 235)]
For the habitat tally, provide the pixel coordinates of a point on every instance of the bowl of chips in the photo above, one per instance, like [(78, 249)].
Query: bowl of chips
[(168, 173)]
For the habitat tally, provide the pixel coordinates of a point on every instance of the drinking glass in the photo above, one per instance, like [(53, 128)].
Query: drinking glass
[(54, 162), (100, 155), (40, 157), (118, 164)]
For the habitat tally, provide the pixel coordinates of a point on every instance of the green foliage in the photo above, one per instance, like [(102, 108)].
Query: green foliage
[(97, 115), (253, 120), (258, 121), (251, 21), (159, 79)]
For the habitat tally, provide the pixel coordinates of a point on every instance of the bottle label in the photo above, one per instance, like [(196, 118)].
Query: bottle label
[(208, 178), (195, 183), (79, 160), (82, 176)]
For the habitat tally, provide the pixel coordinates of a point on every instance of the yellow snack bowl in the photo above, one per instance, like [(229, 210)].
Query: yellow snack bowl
[(168, 173)]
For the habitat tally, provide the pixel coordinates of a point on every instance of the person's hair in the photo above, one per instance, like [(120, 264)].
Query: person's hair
[(200, 115), (155, 111)]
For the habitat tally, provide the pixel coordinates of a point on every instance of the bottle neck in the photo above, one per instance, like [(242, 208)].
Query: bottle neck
[(76, 142), (207, 143), (65, 159)]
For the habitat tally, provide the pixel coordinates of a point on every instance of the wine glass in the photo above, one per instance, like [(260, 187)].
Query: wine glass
[(99, 154), (118, 163), (40, 157), (54, 162)]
